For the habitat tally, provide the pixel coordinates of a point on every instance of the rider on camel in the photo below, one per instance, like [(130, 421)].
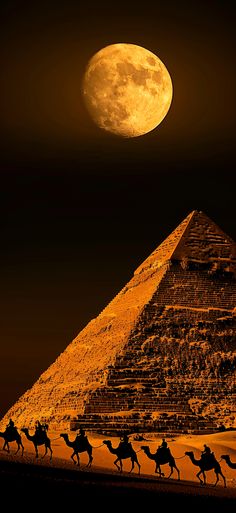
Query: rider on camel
[(81, 437), (163, 447), (207, 453), (164, 444), (39, 429), (124, 442), (10, 426)]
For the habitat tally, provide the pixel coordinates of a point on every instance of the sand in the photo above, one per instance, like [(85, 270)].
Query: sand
[(220, 443)]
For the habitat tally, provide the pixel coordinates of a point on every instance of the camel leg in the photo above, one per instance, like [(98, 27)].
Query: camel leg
[(6, 445), (73, 459), (50, 449), (90, 461), (132, 466), (18, 448), (198, 475), (46, 450), (217, 478), (119, 467), (137, 463), (36, 451), (139, 466), (177, 470), (158, 469), (22, 449), (223, 477), (160, 472), (171, 472)]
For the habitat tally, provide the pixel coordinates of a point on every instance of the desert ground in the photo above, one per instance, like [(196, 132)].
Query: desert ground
[(59, 482)]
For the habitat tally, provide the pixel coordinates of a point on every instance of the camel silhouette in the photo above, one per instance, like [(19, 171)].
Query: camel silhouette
[(205, 464), (39, 439), (122, 454), (161, 457), (79, 446), (230, 464), (11, 436)]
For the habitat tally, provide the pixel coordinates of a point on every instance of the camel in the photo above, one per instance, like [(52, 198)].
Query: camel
[(230, 464), (11, 435), (79, 446), (39, 440), (161, 457), (122, 454), (205, 464)]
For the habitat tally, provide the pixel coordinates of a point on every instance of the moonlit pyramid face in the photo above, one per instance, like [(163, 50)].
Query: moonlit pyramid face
[(171, 322), (127, 89)]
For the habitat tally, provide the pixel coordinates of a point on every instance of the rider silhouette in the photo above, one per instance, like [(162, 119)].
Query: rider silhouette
[(81, 436), (124, 442), (164, 444), (163, 448), (206, 452), (39, 428), (10, 426)]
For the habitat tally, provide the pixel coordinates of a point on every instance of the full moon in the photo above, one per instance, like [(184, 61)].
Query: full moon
[(127, 89)]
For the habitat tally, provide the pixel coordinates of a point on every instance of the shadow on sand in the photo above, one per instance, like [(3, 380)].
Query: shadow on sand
[(56, 487)]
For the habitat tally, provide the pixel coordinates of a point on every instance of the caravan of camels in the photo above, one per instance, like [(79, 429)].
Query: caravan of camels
[(162, 456)]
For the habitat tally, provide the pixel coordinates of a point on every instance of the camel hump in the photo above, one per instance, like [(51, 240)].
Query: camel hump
[(164, 452), (210, 458), (42, 437), (126, 449), (11, 431), (82, 442), (130, 448)]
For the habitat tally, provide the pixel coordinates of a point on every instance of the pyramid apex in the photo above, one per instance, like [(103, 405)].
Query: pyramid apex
[(196, 212), (196, 238)]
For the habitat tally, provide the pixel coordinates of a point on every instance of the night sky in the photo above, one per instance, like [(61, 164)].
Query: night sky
[(80, 208)]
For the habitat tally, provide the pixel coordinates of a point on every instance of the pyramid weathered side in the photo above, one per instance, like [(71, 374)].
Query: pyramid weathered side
[(82, 367), (188, 280)]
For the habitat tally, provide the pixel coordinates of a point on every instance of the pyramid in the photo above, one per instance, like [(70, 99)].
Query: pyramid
[(161, 356)]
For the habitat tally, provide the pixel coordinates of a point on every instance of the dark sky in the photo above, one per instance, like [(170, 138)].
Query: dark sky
[(79, 208)]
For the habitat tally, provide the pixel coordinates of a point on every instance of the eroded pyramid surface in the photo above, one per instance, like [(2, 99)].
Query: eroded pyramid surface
[(161, 356)]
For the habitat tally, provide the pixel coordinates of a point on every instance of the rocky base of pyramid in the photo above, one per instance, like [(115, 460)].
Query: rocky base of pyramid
[(162, 411), (172, 424), (176, 375)]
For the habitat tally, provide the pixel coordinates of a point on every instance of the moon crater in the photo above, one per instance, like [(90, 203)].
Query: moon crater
[(127, 89)]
